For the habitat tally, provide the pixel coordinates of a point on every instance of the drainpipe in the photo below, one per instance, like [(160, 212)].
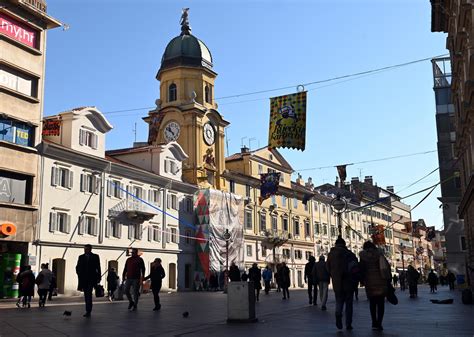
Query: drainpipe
[(163, 225), (101, 208)]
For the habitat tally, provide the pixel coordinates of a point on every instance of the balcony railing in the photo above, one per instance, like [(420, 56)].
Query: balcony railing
[(134, 210)]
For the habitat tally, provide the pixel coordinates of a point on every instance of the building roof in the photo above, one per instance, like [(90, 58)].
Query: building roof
[(275, 152)]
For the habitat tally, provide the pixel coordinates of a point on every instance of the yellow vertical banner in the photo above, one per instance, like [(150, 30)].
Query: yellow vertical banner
[(288, 121)]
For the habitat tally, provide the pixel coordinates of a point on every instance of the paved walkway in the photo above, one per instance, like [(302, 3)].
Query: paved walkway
[(207, 316)]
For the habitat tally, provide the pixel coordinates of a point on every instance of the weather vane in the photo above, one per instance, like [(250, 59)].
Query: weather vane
[(184, 22)]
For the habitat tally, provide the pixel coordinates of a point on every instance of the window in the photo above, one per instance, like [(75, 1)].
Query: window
[(282, 177), (296, 227), (333, 231), (113, 229), (137, 191), (114, 188), (286, 253), (18, 81), (61, 176), (283, 201), (352, 216), (452, 136), (88, 225), (260, 169), (88, 138), (463, 243), (264, 252), (285, 224), (172, 201), (274, 223), (59, 222), (249, 250), (325, 229), (154, 197), (317, 228), (348, 232), (189, 205), (232, 186), (324, 208), (207, 94), (295, 203), (135, 232), (273, 199), (306, 206), (154, 233), (172, 92), (16, 132), (15, 188), (174, 235), (364, 227), (188, 236), (298, 254), (90, 183), (307, 229), (263, 221), (247, 191), (307, 254), (270, 156), (248, 219)]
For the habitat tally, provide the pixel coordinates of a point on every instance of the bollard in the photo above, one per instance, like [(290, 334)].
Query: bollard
[(241, 302)]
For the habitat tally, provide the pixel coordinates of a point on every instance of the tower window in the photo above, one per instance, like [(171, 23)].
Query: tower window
[(207, 94), (172, 93)]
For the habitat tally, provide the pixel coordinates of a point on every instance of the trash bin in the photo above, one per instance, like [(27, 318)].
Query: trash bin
[(240, 302)]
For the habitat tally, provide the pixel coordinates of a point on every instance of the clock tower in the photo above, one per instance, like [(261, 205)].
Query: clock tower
[(186, 111)]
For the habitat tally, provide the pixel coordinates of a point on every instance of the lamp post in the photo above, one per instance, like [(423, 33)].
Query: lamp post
[(339, 205), (403, 260), (227, 239)]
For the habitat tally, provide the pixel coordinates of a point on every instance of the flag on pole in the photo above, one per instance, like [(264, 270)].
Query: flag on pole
[(269, 183), (341, 171), (288, 121)]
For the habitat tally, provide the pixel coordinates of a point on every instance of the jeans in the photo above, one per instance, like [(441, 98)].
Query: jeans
[(43, 294), (286, 292), (347, 298), (323, 292), (156, 295), (88, 297), (313, 296), (135, 283), (267, 286), (377, 309)]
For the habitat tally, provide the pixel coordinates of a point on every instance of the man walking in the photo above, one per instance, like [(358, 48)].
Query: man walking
[(312, 282), (255, 276), (267, 278), (341, 262), (89, 275), (157, 274), (321, 274), (432, 281), (133, 274)]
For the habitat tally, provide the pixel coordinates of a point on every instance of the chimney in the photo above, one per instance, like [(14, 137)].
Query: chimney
[(299, 180), (369, 180), (354, 179), (309, 183), (244, 149), (390, 189)]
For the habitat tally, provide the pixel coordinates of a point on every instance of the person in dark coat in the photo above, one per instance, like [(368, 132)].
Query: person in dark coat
[(395, 280), (278, 278), (285, 280), (133, 274), (403, 281), (157, 274), (255, 276), (26, 287), (267, 278), (375, 281), (342, 282), (52, 286), (112, 283), (432, 281), (412, 277), (245, 276), (321, 274), (451, 278), (89, 275), (213, 282), (311, 281), (234, 273)]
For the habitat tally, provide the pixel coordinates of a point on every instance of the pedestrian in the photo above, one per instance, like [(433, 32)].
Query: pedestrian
[(432, 281), (255, 276), (245, 276), (403, 280), (222, 274), (412, 277), (234, 273), (278, 277), (442, 280), (285, 280), (43, 280), (267, 278), (112, 283), (213, 282), (376, 276), (26, 287), (89, 274), (321, 274), (395, 280), (451, 278), (133, 274), (52, 287), (157, 274), (340, 260), (312, 282)]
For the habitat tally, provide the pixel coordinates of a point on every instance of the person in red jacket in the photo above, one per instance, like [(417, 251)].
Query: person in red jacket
[(133, 274)]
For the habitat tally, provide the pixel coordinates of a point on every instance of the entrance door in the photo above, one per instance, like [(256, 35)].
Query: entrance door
[(300, 279), (59, 270), (172, 275), (187, 276)]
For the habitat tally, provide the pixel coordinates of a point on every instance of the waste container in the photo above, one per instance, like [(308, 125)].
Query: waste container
[(241, 302)]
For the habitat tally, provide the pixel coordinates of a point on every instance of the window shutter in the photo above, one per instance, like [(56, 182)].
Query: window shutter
[(150, 196), (119, 231), (96, 227), (168, 201), (130, 232), (120, 187), (128, 191), (71, 178), (95, 140), (96, 184), (83, 182), (109, 188), (81, 137), (168, 235), (52, 221), (107, 228), (80, 229), (54, 176), (68, 224), (150, 233), (140, 232), (167, 166)]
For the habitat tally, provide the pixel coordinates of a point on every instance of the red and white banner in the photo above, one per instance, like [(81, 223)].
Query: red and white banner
[(17, 31)]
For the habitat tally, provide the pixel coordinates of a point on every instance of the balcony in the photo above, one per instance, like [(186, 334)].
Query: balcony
[(133, 210), (275, 238)]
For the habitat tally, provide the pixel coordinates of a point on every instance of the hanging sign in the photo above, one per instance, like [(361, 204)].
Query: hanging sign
[(378, 236), (17, 30), (7, 229), (288, 121)]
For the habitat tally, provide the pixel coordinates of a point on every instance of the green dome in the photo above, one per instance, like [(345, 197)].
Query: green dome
[(186, 50)]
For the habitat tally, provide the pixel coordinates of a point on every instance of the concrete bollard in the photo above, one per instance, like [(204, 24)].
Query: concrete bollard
[(241, 303)]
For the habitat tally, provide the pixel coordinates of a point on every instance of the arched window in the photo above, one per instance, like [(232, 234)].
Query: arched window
[(172, 93), (207, 94)]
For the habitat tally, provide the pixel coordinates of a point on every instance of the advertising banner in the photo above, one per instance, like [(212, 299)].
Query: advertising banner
[(17, 31)]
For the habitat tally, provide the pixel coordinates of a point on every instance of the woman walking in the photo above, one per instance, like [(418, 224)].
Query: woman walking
[(26, 282), (112, 283), (376, 275), (255, 276), (43, 280), (285, 280), (412, 278), (157, 274)]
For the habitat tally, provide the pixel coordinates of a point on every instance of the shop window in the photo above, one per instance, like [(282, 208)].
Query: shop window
[(18, 81), (16, 132), (15, 188)]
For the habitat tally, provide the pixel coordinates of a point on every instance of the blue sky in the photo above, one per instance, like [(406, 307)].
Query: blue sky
[(111, 53)]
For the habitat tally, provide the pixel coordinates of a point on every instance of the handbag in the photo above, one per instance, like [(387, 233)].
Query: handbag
[(99, 291), (391, 297)]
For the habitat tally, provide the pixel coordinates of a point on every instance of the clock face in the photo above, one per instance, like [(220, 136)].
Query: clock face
[(209, 134), (171, 131)]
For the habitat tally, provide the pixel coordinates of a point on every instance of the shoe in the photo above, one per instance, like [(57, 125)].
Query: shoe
[(158, 307), (310, 302), (349, 327), (315, 304), (87, 314), (323, 308), (339, 322), (17, 304), (134, 308), (130, 305), (29, 305), (284, 298), (110, 299)]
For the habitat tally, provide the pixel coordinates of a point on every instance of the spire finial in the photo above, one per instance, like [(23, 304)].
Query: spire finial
[(184, 22)]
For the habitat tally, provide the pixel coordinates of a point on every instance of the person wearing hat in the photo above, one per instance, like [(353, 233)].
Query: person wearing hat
[(157, 274), (339, 265)]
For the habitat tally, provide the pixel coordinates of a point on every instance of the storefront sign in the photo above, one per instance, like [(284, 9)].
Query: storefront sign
[(51, 127), (7, 229), (17, 31)]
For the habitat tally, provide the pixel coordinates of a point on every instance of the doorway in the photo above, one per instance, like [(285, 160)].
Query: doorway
[(59, 271), (172, 275)]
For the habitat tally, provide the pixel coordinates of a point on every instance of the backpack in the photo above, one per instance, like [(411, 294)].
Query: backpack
[(353, 268)]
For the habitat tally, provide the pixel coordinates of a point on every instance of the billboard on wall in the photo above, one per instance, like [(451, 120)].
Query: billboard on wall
[(51, 127), (18, 31)]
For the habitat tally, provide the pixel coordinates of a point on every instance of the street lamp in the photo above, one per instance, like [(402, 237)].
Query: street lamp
[(339, 205), (227, 239), (402, 246)]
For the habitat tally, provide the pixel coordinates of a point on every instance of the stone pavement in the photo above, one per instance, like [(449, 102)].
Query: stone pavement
[(207, 317)]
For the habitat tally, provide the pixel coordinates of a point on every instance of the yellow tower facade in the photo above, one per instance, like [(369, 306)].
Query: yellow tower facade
[(186, 111)]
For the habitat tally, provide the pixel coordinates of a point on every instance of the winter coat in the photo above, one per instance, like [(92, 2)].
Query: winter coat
[(320, 272), (285, 277), (412, 276), (46, 277), (337, 266), (26, 281), (432, 279), (157, 274), (375, 284), (255, 276), (112, 280), (234, 274), (308, 272), (88, 271)]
